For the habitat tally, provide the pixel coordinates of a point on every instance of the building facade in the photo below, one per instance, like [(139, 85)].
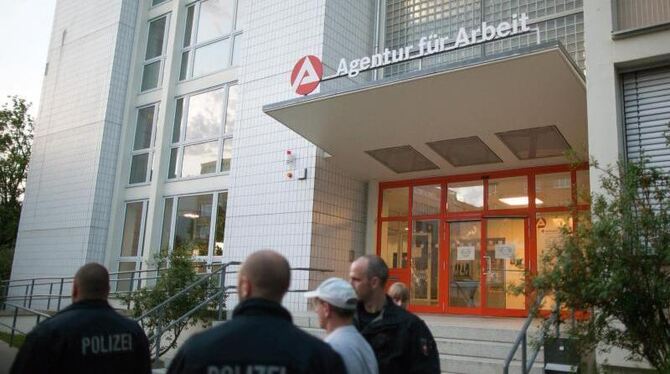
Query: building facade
[(436, 135)]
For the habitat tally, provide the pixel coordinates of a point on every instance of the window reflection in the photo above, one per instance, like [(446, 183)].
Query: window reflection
[(465, 196), (199, 159), (205, 115), (216, 19)]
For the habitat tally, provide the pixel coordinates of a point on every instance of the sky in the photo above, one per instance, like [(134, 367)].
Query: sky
[(25, 30)]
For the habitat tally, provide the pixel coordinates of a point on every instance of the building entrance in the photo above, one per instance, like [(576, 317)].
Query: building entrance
[(464, 244)]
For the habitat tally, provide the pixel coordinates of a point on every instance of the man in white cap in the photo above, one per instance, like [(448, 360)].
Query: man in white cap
[(334, 302)]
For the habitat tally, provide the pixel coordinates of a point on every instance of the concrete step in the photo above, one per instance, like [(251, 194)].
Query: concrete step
[(480, 365), (478, 348)]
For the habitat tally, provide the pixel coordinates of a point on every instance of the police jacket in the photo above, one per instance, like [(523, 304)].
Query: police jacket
[(401, 341), (86, 337), (261, 338)]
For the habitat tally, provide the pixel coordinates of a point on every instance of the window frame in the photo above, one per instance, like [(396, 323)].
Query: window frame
[(149, 150), (222, 137), (233, 36), (161, 58), (210, 259), (134, 283)]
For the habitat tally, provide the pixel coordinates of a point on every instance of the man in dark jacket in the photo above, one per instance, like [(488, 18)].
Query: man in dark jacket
[(86, 337), (401, 341), (261, 337)]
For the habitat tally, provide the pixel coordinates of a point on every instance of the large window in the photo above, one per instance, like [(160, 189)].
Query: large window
[(212, 38), (130, 254), (154, 56), (142, 152), (197, 223), (201, 136)]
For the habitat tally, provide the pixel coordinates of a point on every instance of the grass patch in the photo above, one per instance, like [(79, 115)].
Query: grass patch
[(18, 339)]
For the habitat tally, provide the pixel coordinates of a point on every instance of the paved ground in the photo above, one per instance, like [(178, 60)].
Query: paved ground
[(7, 354)]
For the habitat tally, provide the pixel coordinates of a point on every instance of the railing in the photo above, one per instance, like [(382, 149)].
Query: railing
[(219, 296), (630, 16), (13, 329), (55, 291), (522, 338)]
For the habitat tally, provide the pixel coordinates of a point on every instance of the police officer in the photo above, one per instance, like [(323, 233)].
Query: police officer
[(261, 337), (87, 336), (401, 341)]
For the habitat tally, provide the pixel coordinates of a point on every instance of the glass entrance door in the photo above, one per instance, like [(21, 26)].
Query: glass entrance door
[(464, 266), (481, 277), (425, 264), (504, 265)]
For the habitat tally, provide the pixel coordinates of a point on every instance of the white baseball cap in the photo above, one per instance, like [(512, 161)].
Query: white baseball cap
[(337, 292)]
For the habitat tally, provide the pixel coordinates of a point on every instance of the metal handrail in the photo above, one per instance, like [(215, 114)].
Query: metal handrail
[(13, 329), (522, 340)]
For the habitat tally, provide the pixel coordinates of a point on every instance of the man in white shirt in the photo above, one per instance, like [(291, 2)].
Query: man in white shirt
[(334, 303)]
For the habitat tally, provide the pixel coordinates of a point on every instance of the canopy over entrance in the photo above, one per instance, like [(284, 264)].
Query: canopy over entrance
[(510, 111)]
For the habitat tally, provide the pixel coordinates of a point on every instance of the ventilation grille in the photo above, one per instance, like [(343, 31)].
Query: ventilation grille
[(403, 159), (464, 151), (537, 142)]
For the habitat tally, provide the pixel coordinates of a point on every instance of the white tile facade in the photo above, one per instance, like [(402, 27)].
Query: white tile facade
[(68, 197)]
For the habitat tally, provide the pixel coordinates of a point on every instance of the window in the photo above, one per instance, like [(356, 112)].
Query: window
[(130, 254), (211, 33), (201, 136), (142, 152), (197, 223), (155, 54), (157, 2)]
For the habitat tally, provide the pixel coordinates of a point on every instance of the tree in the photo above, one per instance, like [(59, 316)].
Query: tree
[(16, 134), (616, 266), (176, 277)]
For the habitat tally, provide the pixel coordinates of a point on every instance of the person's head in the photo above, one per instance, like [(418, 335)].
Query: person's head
[(368, 276), (334, 302), (91, 282), (400, 294), (264, 274)]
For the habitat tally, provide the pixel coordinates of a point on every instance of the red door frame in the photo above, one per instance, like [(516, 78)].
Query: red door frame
[(444, 217)]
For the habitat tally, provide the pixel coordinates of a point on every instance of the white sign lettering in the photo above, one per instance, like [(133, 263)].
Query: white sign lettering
[(433, 44)]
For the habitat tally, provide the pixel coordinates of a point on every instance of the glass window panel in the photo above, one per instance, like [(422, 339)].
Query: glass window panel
[(193, 223), (425, 262), (465, 196), (132, 225), (183, 70), (508, 193), (220, 224), (156, 2), (426, 199), (167, 225), (176, 129), (205, 115), (124, 281), (237, 49), (583, 187), (188, 31), (231, 108), (549, 227), (145, 121), (394, 244), (138, 168), (553, 190), (172, 169), (155, 38), (227, 154), (199, 159), (150, 75), (395, 202), (210, 58), (216, 19)]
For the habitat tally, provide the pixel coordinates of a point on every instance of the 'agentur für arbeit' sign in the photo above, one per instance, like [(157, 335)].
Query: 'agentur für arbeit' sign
[(426, 46)]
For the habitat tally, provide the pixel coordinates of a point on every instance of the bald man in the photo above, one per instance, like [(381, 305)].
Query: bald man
[(261, 337), (87, 336)]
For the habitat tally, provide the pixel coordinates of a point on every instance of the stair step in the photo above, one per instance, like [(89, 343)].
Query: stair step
[(480, 365), (478, 348), (476, 333)]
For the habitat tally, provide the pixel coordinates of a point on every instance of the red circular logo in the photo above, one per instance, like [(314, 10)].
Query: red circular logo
[(306, 75)]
